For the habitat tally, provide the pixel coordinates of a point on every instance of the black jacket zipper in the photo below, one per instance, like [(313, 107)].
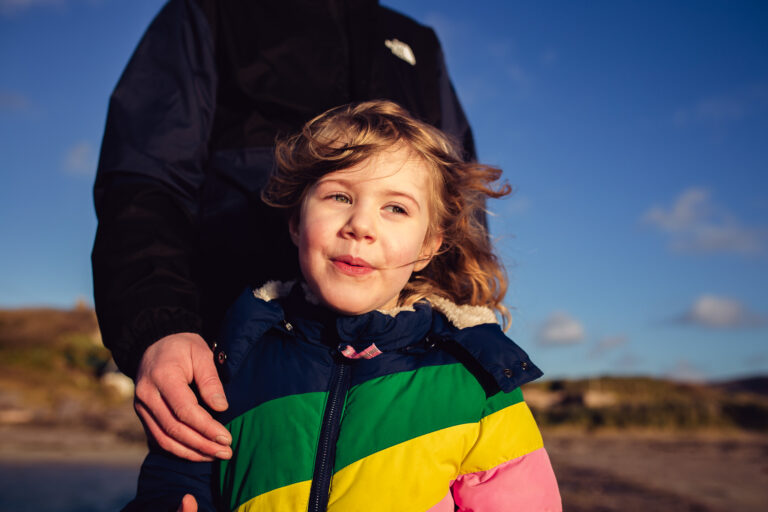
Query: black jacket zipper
[(329, 434)]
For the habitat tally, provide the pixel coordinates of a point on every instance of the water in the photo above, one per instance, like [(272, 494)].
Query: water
[(65, 487)]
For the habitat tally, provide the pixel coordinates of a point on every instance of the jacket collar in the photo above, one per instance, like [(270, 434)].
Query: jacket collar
[(389, 330), (471, 333), (461, 316)]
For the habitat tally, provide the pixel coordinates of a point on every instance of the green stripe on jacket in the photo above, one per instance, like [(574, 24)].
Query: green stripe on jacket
[(273, 445)]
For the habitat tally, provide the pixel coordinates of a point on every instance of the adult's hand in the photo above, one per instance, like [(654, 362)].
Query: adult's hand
[(188, 504), (169, 408)]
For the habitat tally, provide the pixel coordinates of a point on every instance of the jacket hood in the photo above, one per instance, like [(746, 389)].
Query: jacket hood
[(461, 316), (470, 333)]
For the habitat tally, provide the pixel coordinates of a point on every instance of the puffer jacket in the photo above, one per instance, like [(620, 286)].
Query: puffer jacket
[(413, 411)]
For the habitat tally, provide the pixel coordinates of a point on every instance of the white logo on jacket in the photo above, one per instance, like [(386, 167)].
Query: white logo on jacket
[(401, 50)]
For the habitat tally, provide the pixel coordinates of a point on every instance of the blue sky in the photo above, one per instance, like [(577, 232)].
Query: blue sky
[(634, 133)]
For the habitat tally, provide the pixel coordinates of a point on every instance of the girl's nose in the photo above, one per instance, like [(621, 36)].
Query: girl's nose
[(361, 225)]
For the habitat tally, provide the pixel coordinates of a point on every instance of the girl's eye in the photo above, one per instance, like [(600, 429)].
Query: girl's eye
[(340, 198), (396, 209)]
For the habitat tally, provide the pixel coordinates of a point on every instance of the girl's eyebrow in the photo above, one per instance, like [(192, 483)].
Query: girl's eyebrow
[(400, 193), (384, 192)]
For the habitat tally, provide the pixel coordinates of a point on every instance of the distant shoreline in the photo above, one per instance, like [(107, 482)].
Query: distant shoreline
[(35, 443), (28, 442)]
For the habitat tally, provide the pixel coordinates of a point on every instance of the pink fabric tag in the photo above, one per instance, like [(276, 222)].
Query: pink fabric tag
[(367, 353)]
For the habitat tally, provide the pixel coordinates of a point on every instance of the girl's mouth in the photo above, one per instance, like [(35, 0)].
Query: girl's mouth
[(352, 266)]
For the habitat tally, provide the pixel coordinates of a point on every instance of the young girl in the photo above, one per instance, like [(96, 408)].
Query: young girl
[(380, 379)]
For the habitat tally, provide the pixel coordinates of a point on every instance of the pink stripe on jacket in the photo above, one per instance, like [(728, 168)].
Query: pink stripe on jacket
[(524, 484)]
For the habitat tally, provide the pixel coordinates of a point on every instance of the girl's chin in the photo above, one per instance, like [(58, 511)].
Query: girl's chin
[(348, 307), (348, 310)]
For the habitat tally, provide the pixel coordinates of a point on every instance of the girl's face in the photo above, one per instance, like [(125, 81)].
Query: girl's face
[(361, 231)]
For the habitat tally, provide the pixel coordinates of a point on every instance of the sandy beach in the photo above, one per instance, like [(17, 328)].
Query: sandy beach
[(38, 443), (651, 471)]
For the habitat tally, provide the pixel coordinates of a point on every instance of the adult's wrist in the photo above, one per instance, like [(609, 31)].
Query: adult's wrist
[(149, 327)]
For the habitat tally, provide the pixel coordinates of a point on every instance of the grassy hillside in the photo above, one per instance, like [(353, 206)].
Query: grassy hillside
[(54, 370), (643, 402), (50, 349)]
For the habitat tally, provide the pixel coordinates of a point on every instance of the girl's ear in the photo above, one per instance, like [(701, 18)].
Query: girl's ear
[(429, 249), (293, 229)]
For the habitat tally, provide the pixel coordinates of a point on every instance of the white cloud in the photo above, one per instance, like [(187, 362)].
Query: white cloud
[(607, 344), (695, 223), (712, 311), (690, 208), (504, 56), (685, 371), (13, 101), (517, 74), (81, 159), (734, 106), (451, 32), (469, 45), (549, 58), (11, 7), (759, 360), (712, 109), (517, 205), (628, 362), (560, 328)]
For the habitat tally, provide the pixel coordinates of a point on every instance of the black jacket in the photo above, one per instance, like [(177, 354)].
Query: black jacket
[(189, 143)]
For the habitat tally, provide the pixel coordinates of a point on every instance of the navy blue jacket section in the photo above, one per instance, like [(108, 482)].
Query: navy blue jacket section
[(165, 479), (265, 359)]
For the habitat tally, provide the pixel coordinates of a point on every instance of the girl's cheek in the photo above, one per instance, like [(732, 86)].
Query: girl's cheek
[(404, 256)]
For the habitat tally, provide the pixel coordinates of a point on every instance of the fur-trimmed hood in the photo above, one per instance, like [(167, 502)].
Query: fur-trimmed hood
[(461, 316), (469, 333)]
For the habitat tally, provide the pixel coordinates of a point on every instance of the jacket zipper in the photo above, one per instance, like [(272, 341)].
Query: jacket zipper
[(329, 434)]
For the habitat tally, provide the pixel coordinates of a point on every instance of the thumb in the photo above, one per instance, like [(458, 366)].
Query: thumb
[(188, 504), (207, 379)]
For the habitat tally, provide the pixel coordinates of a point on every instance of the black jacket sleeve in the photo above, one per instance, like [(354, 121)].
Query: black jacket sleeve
[(154, 165), (147, 185), (165, 479)]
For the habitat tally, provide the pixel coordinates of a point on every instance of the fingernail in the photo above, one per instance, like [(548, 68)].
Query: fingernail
[(219, 400), (223, 440), (223, 455)]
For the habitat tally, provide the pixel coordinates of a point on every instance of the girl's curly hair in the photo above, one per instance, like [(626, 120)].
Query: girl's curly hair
[(465, 269)]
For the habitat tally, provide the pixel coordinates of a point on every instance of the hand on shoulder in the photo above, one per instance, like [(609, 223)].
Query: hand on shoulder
[(169, 408)]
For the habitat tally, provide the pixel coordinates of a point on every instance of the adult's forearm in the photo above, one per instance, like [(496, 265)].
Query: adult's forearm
[(150, 172), (142, 258)]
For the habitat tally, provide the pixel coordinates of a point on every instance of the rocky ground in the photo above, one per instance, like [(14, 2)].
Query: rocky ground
[(639, 472)]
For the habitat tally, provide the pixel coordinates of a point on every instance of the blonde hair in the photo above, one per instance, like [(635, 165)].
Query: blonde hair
[(465, 268)]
